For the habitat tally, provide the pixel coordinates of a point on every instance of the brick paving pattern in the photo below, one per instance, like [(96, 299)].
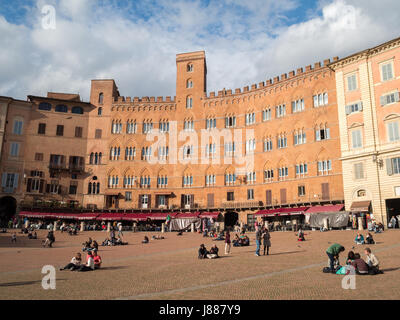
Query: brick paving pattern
[(169, 269)]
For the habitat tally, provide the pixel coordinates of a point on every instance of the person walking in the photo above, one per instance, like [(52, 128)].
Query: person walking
[(227, 242), (258, 241), (266, 240)]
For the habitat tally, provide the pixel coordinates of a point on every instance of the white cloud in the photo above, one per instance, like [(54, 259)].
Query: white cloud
[(247, 43)]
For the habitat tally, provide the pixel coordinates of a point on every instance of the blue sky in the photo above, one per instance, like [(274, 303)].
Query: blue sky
[(135, 42)]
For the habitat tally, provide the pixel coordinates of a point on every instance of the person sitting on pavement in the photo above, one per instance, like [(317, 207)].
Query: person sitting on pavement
[(236, 241), (350, 258), (202, 252), (75, 263), (89, 266), (145, 240), (359, 239), (213, 254), (372, 262), (360, 265), (245, 241), (221, 237), (369, 239), (97, 260), (333, 253), (300, 235), (30, 235)]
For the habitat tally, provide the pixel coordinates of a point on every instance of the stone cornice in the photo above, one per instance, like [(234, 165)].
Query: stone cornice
[(365, 54)]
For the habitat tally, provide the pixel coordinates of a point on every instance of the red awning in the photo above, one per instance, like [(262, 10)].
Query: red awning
[(135, 217), (282, 211), (329, 208), (187, 215), (87, 216), (265, 213), (49, 215), (161, 216), (209, 215), (111, 216)]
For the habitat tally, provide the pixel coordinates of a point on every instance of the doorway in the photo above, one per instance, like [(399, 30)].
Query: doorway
[(393, 209), (231, 218), (8, 208)]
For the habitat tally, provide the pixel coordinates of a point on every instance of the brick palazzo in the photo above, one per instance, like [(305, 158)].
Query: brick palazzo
[(95, 154)]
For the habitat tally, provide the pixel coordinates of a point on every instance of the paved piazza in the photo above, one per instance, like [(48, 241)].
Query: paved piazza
[(169, 269)]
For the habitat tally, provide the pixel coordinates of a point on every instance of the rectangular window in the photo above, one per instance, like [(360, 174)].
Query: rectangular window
[(128, 196), (38, 156), (73, 187), (250, 194), (356, 139), (14, 149), (393, 131), (390, 98), (358, 171), (78, 132), (230, 196), (98, 134), (393, 166), (355, 107), (60, 130), (17, 129), (352, 82), (42, 128), (301, 191), (387, 71)]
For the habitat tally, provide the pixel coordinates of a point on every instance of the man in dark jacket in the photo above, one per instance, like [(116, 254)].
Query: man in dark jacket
[(202, 252), (258, 241)]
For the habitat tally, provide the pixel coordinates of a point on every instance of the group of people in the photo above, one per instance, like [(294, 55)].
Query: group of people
[(369, 239), (376, 227), (361, 267), (93, 261), (203, 253), (264, 235), (90, 245), (241, 241)]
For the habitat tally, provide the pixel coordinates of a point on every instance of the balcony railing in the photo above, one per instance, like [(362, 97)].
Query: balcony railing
[(57, 166), (239, 205)]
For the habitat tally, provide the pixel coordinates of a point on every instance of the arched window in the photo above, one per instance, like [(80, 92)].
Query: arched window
[(101, 98), (90, 188), (100, 155), (189, 84), (91, 158), (98, 188), (45, 106), (62, 108), (189, 67), (77, 110)]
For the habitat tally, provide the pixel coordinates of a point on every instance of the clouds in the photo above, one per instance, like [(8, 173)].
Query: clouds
[(136, 42)]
